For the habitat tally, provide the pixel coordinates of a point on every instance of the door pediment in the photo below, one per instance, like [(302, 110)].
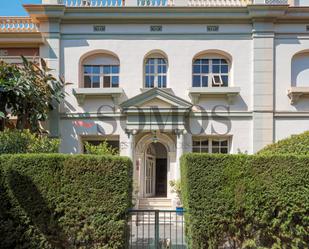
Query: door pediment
[(155, 97)]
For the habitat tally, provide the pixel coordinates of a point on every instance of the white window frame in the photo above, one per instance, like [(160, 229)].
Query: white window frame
[(210, 74), (155, 74), (101, 75), (210, 144)]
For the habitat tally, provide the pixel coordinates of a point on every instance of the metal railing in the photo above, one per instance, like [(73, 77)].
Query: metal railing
[(17, 24), (156, 229)]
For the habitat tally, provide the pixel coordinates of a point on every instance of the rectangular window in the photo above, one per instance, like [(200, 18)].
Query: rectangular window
[(105, 76), (210, 145)]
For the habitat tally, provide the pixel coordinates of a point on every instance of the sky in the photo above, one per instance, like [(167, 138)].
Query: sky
[(14, 7)]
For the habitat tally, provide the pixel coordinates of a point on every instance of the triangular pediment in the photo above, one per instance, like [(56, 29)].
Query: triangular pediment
[(156, 97)]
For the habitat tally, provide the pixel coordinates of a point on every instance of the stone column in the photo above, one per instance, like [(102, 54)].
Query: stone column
[(263, 83), (131, 141), (179, 152)]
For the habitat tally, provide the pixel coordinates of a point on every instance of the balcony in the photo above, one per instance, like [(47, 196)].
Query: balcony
[(17, 24), (165, 3)]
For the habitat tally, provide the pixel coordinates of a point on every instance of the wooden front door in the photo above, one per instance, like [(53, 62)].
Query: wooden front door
[(150, 170)]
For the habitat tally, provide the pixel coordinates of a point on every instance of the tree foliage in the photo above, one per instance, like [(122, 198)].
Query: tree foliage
[(15, 141), (28, 91)]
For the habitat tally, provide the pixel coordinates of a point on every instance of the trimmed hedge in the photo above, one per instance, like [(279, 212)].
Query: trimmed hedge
[(246, 201), (296, 144), (62, 201)]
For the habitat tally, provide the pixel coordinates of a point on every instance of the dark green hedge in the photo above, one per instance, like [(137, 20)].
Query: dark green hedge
[(296, 144), (61, 201), (246, 201)]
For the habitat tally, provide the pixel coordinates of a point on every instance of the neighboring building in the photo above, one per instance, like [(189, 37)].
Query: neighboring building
[(157, 78)]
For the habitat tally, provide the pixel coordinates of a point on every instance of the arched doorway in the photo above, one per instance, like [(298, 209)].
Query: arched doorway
[(155, 176), (163, 152)]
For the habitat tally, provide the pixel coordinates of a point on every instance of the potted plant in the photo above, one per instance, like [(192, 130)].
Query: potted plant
[(176, 188)]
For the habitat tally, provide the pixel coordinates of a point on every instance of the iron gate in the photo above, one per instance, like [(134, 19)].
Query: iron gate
[(156, 229)]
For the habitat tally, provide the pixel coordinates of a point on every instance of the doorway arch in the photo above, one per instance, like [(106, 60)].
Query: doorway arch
[(149, 154)]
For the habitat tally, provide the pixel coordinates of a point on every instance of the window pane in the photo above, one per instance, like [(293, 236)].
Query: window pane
[(204, 149), (224, 69), (215, 143), (215, 150), (196, 81), (87, 69), (224, 150), (204, 61), (223, 61), (205, 69), (216, 61), (164, 67), (216, 81), (96, 69), (196, 142), (196, 69), (204, 142), (106, 81), (225, 80), (115, 81), (106, 69), (115, 69), (224, 143), (164, 81), (204, 81), (216, 69), (87, 81), (96, 81)]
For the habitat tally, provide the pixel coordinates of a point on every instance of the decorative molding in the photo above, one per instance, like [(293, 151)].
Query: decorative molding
[(295, 93), (229, 92), (82, 93)]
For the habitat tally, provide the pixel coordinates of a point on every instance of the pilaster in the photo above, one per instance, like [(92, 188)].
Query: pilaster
[(50, 52), (263, 83)]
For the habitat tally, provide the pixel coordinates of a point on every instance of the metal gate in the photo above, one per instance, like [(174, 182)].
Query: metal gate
[(156, 229)]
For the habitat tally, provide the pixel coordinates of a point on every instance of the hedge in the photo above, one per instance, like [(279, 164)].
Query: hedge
[(62, 201), (296, 144), (241, 201)]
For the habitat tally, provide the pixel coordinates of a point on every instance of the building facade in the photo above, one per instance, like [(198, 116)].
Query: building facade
[(158, 78)]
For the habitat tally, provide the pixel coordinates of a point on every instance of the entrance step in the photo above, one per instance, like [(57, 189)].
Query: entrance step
[(155, 203)]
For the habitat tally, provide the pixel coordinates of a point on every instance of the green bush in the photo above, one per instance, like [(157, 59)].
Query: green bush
[(296, 144), (246, 201), (101, 149), (14, 141), (62, 201)]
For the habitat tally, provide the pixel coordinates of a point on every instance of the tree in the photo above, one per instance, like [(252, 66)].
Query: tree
[(29, 91)]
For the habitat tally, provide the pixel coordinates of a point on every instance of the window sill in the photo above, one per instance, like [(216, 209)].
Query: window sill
[(82, 93), (294, 93), (229, 92)]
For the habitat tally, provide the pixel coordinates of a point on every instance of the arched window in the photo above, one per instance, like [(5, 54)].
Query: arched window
[(300, 70), (100, 71), (155, 71), (210, 71)]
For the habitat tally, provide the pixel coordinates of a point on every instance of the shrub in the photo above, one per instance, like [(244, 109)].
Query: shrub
[(246, 201), (296, 144), (61, 201), (101, 149), (14, 141)]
